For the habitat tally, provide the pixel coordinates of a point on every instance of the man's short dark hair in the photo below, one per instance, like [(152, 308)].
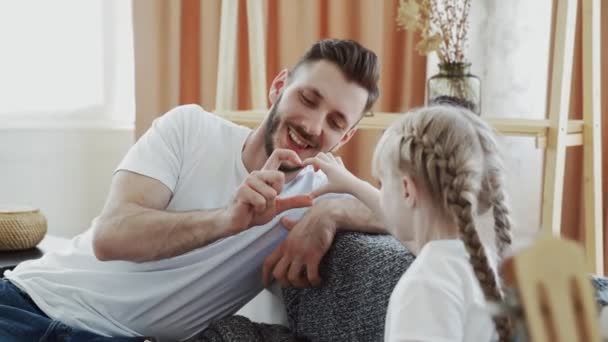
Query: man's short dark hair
[(359, 64)]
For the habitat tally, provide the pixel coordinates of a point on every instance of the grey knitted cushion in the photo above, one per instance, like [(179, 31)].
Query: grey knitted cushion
[(241, 329), (359, 273), (600, 286)]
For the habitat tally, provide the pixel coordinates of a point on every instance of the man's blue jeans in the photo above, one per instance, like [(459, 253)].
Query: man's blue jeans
[(22, 321)]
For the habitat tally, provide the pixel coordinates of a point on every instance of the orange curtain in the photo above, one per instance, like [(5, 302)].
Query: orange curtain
[(156, 51), (188, 74)]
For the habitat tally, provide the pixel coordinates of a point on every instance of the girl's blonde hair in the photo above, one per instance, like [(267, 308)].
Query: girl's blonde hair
[(452, 154)]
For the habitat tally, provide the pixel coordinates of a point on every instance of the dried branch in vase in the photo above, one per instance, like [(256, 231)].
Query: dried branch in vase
[(443, 26)]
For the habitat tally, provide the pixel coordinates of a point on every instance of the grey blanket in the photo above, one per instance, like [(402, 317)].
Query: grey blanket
[(359, 273), (241, 329)]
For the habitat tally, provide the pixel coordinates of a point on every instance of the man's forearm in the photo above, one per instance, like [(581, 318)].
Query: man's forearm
[(351, 214), (139, 234)]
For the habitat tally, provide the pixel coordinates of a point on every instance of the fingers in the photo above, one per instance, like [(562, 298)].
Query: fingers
[(280, 272), (324, 189), (339, 160), (328, 157), (288, 223), (296, 276), (251, 197), (287, 203), (317, 163), (291, 272), (269, 264), (276, 179), (312, 271), (332, 159), (261, 187), (279, 156), (294, 263)]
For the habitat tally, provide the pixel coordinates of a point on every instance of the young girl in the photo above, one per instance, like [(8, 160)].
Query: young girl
[(439, 167)]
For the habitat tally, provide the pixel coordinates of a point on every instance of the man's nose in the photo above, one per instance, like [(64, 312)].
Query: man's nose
[(314, 125)]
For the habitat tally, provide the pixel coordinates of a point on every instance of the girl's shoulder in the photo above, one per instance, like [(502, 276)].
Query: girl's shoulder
[(444, 254), (443, 262)]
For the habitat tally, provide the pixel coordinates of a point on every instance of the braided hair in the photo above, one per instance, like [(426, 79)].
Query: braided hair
[(452, 153)]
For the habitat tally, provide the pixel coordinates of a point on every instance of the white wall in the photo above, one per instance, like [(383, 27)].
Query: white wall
[(59, 155), (63, 171), (509, 51)]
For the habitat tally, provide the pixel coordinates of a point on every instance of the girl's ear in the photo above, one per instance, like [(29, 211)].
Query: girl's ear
[(410, 192)]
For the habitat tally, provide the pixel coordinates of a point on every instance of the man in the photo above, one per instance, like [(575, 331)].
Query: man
[(195, 208)]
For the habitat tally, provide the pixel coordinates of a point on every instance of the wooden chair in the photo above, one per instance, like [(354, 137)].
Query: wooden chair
[(554, 292)]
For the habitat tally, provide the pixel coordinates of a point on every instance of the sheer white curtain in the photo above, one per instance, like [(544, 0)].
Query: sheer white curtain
[(509, 50), (66, 105), (66, 60)]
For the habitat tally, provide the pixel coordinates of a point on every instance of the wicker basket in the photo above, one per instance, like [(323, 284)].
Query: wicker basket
[(21, 228)]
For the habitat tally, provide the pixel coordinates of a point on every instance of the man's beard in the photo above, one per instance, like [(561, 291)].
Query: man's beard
[(272, 124)]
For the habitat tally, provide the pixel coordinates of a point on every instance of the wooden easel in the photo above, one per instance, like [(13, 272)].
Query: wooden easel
[(559, 137), (554, 134)]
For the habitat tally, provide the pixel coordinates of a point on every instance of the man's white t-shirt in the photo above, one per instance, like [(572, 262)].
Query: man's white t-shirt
[(439, 299), (197, 155)]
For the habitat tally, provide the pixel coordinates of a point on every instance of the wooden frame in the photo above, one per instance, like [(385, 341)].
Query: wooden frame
[(554, 134), (561, 55), (592, 137)]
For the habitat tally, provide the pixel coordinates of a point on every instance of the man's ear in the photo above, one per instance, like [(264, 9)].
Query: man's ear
[(277, 86), (347, 136), (344, 140), (410, 192)]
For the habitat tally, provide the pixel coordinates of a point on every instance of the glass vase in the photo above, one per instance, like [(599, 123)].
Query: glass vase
[(454, 84)]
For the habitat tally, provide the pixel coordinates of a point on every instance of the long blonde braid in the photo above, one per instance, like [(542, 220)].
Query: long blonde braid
[(493, 185), (457, 162), (502, 218), (463, 208)]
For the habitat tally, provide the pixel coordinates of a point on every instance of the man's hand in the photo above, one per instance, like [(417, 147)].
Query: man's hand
[(256, 200), (295, 262)]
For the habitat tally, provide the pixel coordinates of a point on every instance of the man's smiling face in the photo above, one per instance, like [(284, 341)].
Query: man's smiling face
[(314, 112)]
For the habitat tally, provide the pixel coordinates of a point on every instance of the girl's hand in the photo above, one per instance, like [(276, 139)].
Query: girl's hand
[(339, 179)]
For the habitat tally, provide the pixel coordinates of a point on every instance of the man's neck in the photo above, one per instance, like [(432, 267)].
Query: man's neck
[(254, 154)]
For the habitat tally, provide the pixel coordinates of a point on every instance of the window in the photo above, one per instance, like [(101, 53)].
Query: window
[(66, 59)]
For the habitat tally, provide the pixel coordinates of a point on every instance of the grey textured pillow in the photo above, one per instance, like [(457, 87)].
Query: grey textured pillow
[(600, 287), (359, 273)]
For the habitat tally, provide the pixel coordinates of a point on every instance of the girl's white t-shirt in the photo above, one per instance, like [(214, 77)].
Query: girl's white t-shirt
[(439, 299)]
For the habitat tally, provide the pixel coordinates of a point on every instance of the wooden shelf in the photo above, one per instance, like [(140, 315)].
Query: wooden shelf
[(378, 121)]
